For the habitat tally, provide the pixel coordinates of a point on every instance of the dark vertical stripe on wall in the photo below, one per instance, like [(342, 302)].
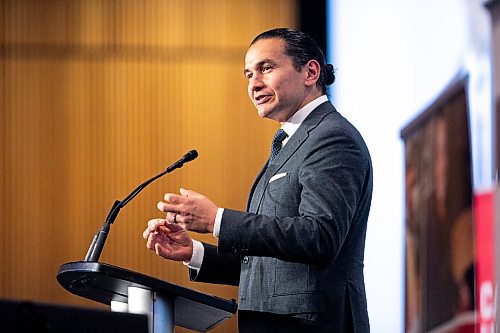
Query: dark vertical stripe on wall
[(313, 20)]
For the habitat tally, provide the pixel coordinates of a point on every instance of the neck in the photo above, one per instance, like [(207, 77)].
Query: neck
[(308, 99), (311, 97)]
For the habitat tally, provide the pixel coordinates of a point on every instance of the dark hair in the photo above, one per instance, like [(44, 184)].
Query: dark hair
[(302, 48)]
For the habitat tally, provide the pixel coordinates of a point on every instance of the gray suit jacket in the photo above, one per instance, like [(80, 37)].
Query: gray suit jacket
[(299, 249)]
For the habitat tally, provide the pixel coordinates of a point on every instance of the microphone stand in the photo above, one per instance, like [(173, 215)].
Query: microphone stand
[(100, 237)]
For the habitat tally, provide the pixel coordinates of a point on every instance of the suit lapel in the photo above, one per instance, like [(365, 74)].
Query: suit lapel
[(297, 139)]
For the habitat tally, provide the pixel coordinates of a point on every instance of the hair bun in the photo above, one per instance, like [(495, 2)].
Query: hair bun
[(330, 74)]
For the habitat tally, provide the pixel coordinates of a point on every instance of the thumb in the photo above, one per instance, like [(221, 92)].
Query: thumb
[(161, 251), (158, 249)]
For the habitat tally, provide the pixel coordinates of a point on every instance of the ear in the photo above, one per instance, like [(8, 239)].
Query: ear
[(312, 70)]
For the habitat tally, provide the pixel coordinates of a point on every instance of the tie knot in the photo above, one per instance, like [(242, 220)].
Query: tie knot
[(279, 136), (277, 143)]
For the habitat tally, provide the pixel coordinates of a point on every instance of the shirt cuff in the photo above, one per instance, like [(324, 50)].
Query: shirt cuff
[(218, 220), (197, 257)]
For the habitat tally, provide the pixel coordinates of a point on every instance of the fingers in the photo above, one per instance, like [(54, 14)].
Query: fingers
[(175, 218), (170, 241), (176, 214), (174, 227), (181, 253), (160, 250), (152, 227), (188, 193), (163, 235), (174, 202), (168, 207), (151, 241), (174, 198)]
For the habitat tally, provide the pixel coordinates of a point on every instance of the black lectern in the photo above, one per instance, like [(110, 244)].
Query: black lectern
[(165, 303)]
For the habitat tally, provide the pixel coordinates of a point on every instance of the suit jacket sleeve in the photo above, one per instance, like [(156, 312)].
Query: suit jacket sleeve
[(217, 268), (308, 219)]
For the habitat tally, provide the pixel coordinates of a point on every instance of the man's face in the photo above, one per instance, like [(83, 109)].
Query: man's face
[(275, 87)]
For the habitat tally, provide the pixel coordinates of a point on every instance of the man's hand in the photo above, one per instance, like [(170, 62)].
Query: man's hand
[(191, 210), (168, 240)]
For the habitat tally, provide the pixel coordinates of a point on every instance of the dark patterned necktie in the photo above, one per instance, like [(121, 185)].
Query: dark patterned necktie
[(277, 143)]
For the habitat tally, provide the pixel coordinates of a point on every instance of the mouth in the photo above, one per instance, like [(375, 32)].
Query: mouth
[(261, 99)]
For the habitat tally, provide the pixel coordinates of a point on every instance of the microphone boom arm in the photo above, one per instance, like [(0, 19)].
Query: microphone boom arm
[(100, 237)]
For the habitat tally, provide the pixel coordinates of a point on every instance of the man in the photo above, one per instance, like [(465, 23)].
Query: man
[(297, 253)]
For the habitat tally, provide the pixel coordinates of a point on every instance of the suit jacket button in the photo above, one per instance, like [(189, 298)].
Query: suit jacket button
[(246, 260)]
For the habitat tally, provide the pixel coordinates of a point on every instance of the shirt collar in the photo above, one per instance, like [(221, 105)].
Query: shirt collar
[(293, 123)]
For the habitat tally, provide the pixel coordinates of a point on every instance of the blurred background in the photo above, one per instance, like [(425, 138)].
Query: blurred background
[(98, 96)]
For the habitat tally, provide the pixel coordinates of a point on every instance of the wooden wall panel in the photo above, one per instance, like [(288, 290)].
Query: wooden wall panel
[(97, 96)]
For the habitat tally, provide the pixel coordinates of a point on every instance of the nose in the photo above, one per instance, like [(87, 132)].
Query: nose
[(255, 83)]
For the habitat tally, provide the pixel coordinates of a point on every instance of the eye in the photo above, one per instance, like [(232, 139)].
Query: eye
[(266, 68), (248, 75)]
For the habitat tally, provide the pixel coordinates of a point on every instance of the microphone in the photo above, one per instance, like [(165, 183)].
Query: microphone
[(99, 239), (191, 155)]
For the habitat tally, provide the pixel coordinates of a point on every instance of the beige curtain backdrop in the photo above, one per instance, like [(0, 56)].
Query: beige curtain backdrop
[(98, 96)]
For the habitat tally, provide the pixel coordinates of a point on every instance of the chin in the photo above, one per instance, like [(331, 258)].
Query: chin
[(269, 113), (263, 113)]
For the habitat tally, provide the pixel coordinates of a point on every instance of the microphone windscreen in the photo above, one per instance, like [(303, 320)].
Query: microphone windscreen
[(191, 155)]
